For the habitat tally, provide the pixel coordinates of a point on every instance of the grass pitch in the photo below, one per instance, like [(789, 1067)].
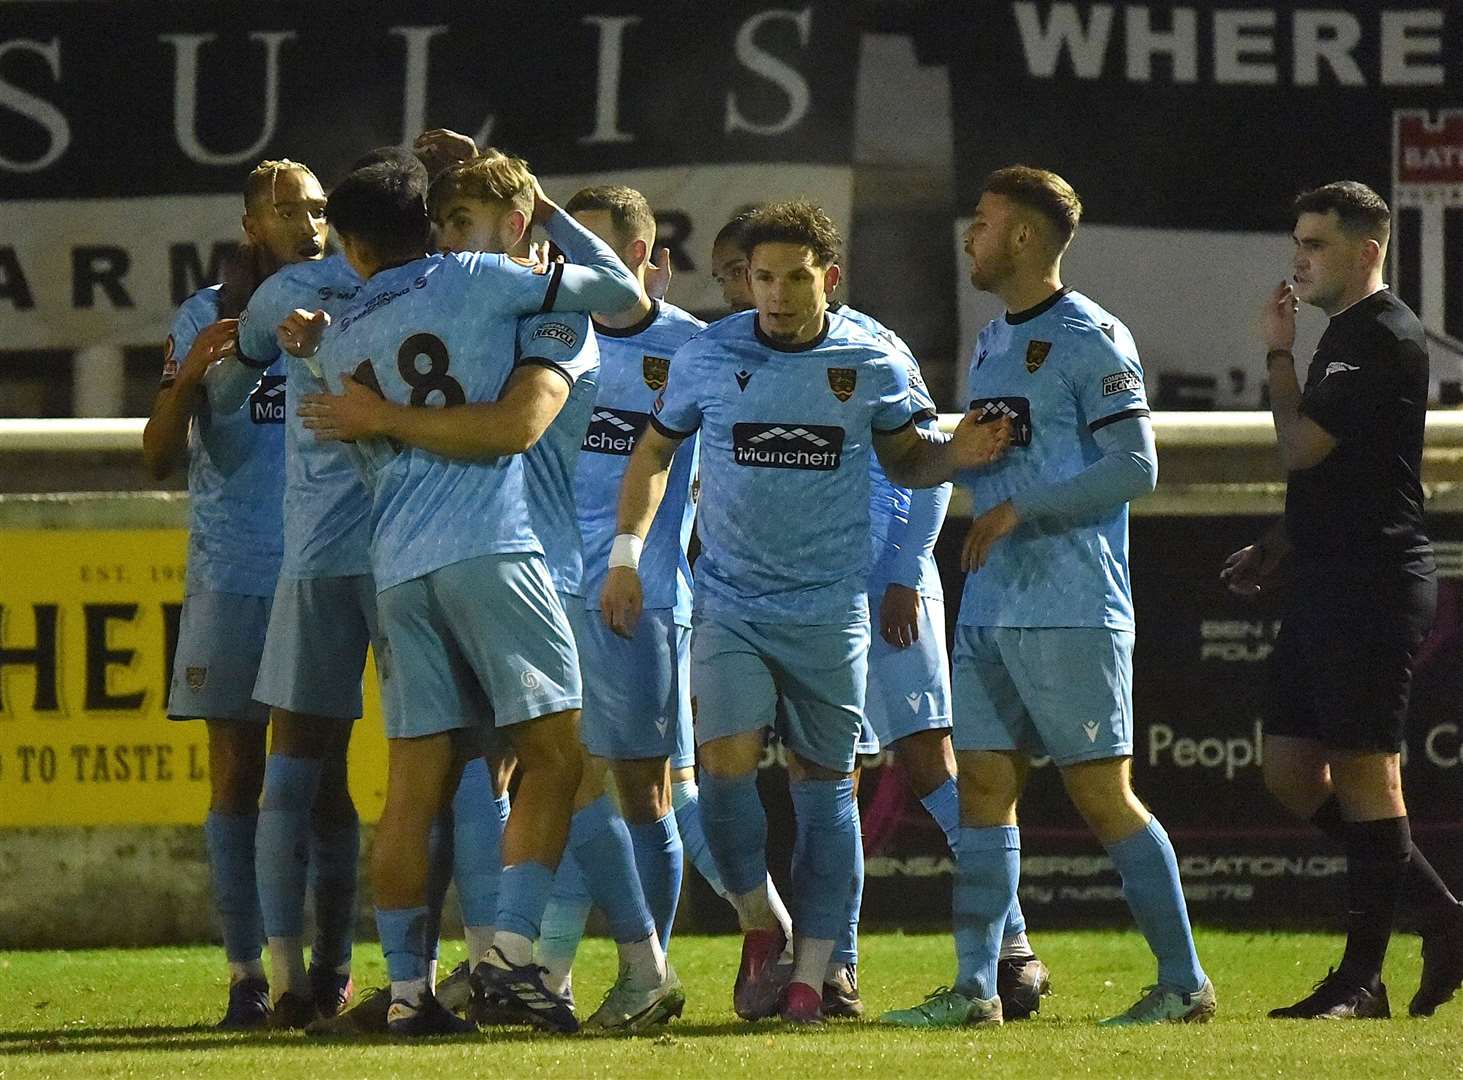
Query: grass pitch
[(149, 1013)]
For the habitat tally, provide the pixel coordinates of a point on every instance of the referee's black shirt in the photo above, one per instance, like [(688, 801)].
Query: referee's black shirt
[(1358, 514)]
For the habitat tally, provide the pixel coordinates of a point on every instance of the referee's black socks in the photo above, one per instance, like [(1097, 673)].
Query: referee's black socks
[(1377, 854), (1425, 898)]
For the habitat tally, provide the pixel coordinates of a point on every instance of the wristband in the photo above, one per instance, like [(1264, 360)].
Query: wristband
[(625, 551), (1279, 354)]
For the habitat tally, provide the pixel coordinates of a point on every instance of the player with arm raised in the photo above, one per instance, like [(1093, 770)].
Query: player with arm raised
[(789, 401), (1364, 593), (466, 602), (232, 430), (322, 620), (1048, 591)]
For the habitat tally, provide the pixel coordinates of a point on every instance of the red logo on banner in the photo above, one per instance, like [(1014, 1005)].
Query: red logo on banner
[(1428, 150)]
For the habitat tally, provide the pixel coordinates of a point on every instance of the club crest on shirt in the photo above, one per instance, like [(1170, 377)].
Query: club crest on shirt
[(1036, 354), (842, 380), (655, 369), (196, 677)]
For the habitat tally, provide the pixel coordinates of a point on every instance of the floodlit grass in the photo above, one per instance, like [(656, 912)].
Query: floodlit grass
[(149, 1013)]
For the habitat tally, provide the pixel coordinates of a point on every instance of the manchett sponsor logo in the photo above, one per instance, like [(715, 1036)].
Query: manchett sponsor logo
[(813, 447)]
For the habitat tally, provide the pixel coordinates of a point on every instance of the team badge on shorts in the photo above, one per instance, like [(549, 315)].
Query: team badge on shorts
[(655, 369), (1036, 354), (842, 380), (196, 677)]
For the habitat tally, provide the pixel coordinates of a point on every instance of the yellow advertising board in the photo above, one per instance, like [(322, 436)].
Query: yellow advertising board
[(88, 624)]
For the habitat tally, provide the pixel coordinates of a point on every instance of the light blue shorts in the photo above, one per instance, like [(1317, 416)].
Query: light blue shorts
[(637, 692), (483, 641), (315, 652), (909, 689), (1062, 691), (807, 682), (220, 640)]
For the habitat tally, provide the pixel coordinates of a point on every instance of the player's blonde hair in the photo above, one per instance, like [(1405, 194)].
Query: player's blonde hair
[(260, 184), (491, 177)]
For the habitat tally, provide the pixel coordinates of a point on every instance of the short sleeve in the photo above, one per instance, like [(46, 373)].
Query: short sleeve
[(896, 407), (258, 343), (677, 409), (186, 324), (1108, 379), (1352, 400), (562, 341), (508, 286)]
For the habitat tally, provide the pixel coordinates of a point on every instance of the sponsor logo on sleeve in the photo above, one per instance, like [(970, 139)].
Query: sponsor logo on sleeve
[(1036, 353), (170, 360), (1119, 381), (655, 370), (1336, 367), (559, 332), (842, 381), (614, 431), (196, 678), (266, 403), (988, 410), (811, 447)]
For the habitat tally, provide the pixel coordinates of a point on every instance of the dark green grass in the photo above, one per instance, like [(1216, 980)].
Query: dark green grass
[(149, 1013)]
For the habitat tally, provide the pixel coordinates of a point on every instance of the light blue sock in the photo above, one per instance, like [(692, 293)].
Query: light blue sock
[(563, 923), (686, 798), (943, 805), (335, 858), (477, 844), (282, 842), (846, 949), (1150, 872), (736, 830), (230, 839), (823, 856), (1015, 920), (987, 869), (439, 876), (659, 859), (523, 891), (600, 842), (403, 933)]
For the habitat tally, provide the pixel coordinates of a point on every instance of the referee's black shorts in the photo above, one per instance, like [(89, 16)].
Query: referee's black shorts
[(1341, 670)]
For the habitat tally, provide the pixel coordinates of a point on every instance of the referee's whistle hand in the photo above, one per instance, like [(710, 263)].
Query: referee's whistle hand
[(621, 599), (1244, 571)]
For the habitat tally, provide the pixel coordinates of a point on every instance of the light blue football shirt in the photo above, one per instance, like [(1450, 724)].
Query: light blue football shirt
[(786, 434), (235, 472), (443, 330), (565, 343), (1060, 371), (899, 552), (633, 366), (327, 509)]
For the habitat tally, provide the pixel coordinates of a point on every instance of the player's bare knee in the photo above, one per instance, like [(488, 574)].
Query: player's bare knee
[(927, 760), (643, 785)]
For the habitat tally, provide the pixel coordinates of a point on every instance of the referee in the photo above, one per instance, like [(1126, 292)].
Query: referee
[(1364, 596)]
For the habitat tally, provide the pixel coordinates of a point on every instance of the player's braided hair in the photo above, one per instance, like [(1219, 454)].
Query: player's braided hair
[(796, 221), (261, 181), (629, 211), (246, 266)]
